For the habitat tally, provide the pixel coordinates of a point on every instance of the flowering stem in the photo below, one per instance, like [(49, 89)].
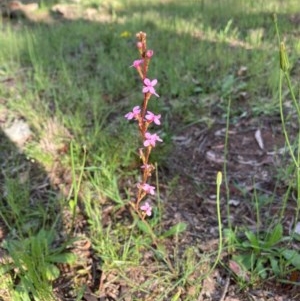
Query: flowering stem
[(143, 126), (144, 119)]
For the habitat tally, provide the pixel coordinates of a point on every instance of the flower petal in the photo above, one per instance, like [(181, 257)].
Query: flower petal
[(154, 82), (147, 82)]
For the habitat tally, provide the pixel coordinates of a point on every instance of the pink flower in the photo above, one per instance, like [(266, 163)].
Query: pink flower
[(148, 88), (151, 139), (147, 208), (139, 45), (153, 118), (145, 166), (137, 63), (134, 114), (149, 53), (147, 188)]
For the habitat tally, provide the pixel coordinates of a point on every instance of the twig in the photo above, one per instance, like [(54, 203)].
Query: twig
[(225, 290)]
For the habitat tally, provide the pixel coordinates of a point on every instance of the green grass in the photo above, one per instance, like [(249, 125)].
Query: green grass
[(72, 83)]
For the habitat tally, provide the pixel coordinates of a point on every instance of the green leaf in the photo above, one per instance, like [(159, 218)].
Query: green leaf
[(296, 236), (274, 265), (52, 272), (144, 227), (253, 239), (260, 267), (4, 268), (19, 295), (72, 205), (62, 258), (176, 229), (293, 257), (275, 236), (246, 245)]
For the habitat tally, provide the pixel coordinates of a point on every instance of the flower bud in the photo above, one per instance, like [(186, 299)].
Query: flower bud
[(149, 53), (137, 63), (284, 60), (141, 36), (219, 178)]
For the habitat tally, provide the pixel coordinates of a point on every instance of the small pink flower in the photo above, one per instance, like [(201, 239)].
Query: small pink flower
[(134, 114), (147, 188), (148, 88), (137, 63), (139, 45), (153, 118), (149, 53), (147, 208), (151, 139)]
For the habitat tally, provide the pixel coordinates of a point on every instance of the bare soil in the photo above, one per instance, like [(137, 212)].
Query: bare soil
[(255, 155)]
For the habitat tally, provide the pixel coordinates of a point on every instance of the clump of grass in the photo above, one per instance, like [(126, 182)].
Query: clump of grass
[(30, 265)]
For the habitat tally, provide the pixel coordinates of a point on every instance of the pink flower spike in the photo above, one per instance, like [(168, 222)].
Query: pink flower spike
[(134, 114), (149, 53), (148, 86), (153, 118), (151, 139), (147, 208), (147, 188), (137, 63)]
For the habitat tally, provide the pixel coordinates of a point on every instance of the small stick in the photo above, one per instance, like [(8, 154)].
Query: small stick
[(225, 290)]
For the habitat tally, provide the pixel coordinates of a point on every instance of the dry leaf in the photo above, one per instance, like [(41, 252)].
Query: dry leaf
[(259, 139)]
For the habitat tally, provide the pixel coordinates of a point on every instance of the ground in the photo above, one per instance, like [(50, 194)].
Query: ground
[(198, 156)]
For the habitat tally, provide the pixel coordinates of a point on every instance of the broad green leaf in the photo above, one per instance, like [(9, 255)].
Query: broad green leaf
[(293, 257), (260, 268), (176, 229), (246, 244), (143, 227), (246, 260), (253, 239), (20, 296), (275, 236), (52, 272), (274, 265), (296, 236), (62, 258)]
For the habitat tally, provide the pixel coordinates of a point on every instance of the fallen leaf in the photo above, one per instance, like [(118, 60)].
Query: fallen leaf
[(259, 139)]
